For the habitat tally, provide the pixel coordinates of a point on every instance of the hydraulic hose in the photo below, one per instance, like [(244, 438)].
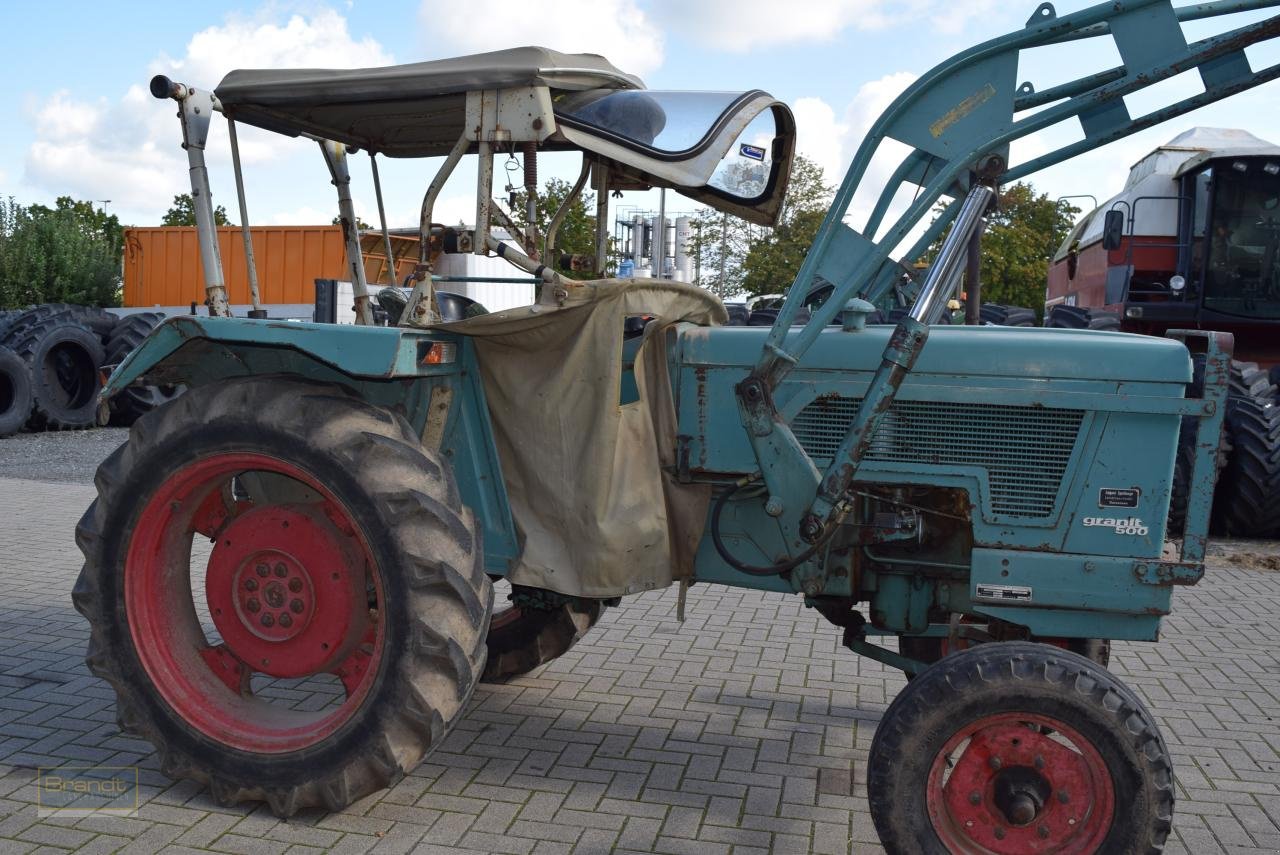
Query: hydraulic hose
[(749, 569)]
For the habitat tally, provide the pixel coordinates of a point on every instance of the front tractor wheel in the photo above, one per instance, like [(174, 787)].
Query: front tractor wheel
[(284, 591), (1013, 747)]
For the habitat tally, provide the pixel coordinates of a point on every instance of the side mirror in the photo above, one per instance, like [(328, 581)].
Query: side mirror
[(1112, 229)]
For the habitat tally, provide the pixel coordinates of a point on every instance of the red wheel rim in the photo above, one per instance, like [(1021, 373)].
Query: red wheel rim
[(1020, 783), (309, 613)]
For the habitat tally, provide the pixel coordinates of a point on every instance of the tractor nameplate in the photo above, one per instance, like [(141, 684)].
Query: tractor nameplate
[(1119, 497), (1003, 593)]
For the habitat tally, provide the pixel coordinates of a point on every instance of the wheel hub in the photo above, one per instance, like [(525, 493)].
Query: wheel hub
[(1021, 783), (285, 590), (274, 596)]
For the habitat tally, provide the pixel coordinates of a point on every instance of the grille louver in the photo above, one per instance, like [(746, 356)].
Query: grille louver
[(1025, 450)]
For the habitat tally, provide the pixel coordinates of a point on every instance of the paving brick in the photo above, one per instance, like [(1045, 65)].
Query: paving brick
[(745, 730)]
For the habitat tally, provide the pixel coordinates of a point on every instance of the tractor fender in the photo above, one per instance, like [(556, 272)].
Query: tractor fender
[(430, 377), (196, 350)]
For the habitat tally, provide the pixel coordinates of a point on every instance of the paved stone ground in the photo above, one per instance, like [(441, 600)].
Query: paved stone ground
[(744, 731)]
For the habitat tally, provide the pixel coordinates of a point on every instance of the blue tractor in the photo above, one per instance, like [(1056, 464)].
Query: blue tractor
[(328, 508)]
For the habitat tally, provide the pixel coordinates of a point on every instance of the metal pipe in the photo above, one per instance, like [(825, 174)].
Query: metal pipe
[(602, 217), (335, 157), (549, 243), (933, 293), (519, 259), (484, 203), (972, 278), (660, 254), (195, 109), (382, 221), (414, 310), (251, 267)]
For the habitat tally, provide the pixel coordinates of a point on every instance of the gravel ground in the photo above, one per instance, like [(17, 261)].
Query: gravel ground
[(66, 457)]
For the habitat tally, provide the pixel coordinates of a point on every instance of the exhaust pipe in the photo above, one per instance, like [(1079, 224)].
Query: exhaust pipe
[(162, 87)]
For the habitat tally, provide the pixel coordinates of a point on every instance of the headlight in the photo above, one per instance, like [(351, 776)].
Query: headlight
[(1176, 284)]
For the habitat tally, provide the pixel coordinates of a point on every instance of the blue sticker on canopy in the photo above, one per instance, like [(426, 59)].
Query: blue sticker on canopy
[(752, 151)]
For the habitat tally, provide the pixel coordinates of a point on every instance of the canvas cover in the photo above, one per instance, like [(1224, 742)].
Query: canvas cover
[(595, 505)]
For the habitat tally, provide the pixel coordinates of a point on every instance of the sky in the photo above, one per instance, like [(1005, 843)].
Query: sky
[(80, 121)]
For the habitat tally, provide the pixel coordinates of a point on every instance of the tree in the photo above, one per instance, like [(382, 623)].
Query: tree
[(577, 232), (66, 254), (720, 243), (774, 259), (183, 213), (1021, 236), (361, 225)]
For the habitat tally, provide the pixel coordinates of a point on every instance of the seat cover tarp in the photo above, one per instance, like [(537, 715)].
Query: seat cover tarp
[(595, 503)]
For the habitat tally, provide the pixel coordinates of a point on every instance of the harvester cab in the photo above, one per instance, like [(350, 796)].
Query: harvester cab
[(992, 499)]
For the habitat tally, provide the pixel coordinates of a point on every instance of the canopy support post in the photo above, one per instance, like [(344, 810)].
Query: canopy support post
[(250, 265), (382, 221), (335, 156), (420, 310)]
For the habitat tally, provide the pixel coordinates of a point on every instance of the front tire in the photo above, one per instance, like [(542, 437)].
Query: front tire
[(1013, 747), (361, 568)]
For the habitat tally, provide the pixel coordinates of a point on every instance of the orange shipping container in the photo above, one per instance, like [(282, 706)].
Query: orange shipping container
[(162, 265)]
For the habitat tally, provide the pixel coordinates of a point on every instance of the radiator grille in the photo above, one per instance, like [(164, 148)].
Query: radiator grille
[(1025, 450)]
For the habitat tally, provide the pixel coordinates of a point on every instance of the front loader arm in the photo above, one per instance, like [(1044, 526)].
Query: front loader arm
[(959, 120)]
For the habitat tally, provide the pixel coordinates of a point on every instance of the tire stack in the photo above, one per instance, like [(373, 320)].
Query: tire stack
[(52, 358), (994, 314), (60, 347), (1247, 500), (1077, 318), (135, 401)]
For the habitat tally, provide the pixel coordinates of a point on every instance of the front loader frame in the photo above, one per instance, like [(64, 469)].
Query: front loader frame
[(959, 120)]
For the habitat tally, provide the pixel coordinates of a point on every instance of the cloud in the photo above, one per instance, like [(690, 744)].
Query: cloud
[(320, 41), (830, 139), (128, 150), (619, 28), (738, 26)]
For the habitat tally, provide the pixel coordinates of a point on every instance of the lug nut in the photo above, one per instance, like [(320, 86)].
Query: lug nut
[(996, 762), (253, 605), (268, 620), (1043, 831), (975, 797), (281, 570), (1063, 797), (296, 606), (286, 619), (251, 584), (261, 570), (295, 584), (1039, 761), (999, 833)]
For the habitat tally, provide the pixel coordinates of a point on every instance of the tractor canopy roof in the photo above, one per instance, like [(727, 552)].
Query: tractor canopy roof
[(730, 150), (414, 110)]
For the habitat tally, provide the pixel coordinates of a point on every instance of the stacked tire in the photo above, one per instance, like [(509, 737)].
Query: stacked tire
[(1247, 500), (52, 361), (61, 348), (1077, 318), (15, 392), (135, 401), (994, 314)]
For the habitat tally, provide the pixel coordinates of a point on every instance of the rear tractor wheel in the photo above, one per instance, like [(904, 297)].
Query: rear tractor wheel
[(1014, 747), (303, 645)]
